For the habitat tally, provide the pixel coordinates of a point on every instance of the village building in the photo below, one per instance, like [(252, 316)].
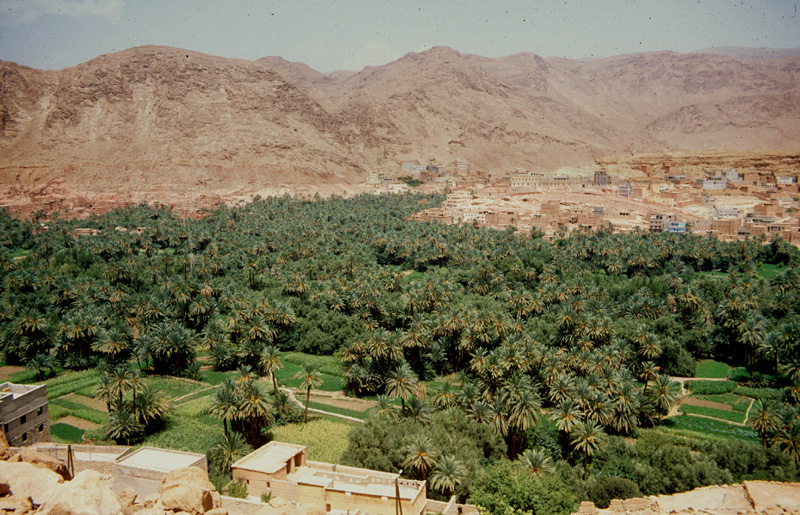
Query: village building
[(601, 178), (713, 182), (625, 190), (23, 413), (284, 470), (144, 469)]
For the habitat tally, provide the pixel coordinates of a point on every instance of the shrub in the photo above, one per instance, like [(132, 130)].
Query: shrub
[(605, 488), (758, 393), (236, 488), (711, 387)]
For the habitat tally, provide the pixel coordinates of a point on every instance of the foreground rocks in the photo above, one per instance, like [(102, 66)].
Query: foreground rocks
[(26, 488), (751, 497)]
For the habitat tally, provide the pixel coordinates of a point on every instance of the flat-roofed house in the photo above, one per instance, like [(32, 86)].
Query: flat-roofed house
[(23, 413), (283, 470)]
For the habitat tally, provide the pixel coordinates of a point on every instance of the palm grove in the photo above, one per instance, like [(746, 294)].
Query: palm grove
[(491, 355)]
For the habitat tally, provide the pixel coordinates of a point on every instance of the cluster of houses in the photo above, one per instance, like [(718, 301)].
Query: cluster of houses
[(669, 200)]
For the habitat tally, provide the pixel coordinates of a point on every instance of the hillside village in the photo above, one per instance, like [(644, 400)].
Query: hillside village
[(723, 202)]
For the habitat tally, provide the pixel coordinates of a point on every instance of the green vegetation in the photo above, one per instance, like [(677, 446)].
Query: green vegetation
[(335, 409), (710, 369), (326, 439), (710, 387), (65, 433), (547, 351), (697, 427), (732, 416), (412, 183), (737, 401)]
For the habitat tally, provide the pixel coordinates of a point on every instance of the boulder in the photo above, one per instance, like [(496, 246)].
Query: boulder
[(4, 488), (16, 505), (90, 493), (127, 498), (43, 460), (151, 511), (188, 489), (26, 480), (217, 511)]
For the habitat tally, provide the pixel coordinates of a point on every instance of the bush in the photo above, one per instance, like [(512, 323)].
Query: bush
[(710, 387), (605, 488), (236, 488), (758, 393)]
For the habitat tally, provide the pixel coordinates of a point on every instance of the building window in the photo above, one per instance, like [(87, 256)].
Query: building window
[(41, 427), (23, 419), (5, 428), (24, 437), (40, 411)]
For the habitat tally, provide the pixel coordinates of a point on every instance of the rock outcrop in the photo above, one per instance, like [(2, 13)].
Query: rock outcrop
[(89, 493), (751, 497), (26, 481), (188, 490)]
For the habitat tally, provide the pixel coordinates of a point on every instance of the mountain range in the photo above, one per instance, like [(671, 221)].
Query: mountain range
[(159, 108)]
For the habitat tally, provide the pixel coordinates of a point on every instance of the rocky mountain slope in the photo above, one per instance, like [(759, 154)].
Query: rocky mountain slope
[(158, 119)]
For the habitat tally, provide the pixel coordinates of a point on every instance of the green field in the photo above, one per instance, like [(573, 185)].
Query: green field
[(65, 433), (696, 427), (731, 416), (710, 387), (330, 382), (363, 415), (737, 402), (710, 369), (326, 439)]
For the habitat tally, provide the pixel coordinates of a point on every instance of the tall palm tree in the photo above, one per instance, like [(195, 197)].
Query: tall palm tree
[(105, 390), (254, 406), (270, 362), (310, 378), (402, 383), (665, 393), (448, 473), (224, 404), (765, 420), (587, 437), (420, 455), (151, 405)]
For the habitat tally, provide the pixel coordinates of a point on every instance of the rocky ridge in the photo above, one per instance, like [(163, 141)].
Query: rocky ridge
[(176, 126)]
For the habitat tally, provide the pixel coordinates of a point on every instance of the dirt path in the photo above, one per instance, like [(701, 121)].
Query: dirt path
[(747, 413), (293, 398), (77, 422), (8, 371), (175, 401)]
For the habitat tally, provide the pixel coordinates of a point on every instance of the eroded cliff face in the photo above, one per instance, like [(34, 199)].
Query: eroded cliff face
[(170, 125)]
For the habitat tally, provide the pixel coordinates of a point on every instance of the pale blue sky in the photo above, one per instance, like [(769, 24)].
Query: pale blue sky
[(350, 34)]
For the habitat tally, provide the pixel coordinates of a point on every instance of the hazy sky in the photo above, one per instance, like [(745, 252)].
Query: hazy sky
[(350, 34)]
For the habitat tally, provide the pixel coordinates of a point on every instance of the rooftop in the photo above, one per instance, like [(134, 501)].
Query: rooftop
[(270, 458), (161, 460), (14, 391)]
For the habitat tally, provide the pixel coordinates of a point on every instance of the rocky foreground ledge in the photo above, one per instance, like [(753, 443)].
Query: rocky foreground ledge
[(29, 488), (751, 497)]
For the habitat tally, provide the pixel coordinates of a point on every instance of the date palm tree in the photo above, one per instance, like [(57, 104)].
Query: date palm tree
[(448, 473), (536, 461), (310, 378), (254, 406), (402, 383), (420, 455), (764, 419), (270, 363), (587, 437)]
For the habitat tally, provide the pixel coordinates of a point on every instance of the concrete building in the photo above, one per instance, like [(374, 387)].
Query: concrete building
[(601, 178), (713, 182), (283, 470), (144, 469), (659, 222), (625, 190), (23, 413)]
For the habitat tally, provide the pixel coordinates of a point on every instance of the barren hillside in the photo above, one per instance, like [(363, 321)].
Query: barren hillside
[(233, 127)]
